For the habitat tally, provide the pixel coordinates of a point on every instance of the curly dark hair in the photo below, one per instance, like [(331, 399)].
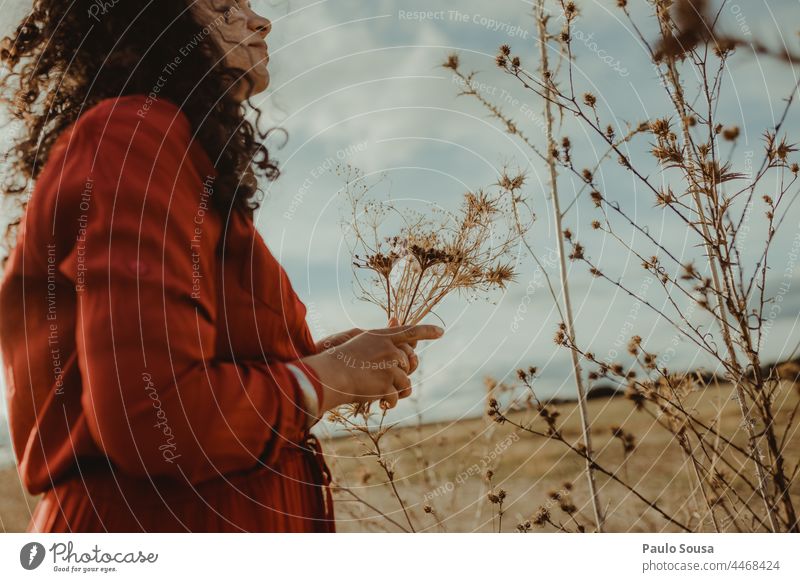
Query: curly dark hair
[(65, 57)]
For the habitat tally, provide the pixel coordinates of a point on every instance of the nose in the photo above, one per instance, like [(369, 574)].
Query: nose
[(259, 24)]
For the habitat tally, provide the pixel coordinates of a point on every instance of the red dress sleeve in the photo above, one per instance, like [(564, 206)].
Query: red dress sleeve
[(157, 400)]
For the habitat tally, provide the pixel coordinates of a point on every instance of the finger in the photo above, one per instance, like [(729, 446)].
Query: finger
[(405, 334), (413, 360), (389, 400), (351, 333), (401, 360), (402, 383), (394, 322)]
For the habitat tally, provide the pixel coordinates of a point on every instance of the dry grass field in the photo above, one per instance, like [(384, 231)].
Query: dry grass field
[(444, 466), (528, 468)]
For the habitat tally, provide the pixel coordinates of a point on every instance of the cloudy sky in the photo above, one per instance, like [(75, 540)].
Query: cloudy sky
[(359, 82)]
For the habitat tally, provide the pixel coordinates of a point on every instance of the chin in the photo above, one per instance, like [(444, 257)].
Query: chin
[(260, 81)]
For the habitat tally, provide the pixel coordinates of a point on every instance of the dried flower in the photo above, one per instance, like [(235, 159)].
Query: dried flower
[(431, 255), (451, 62), (541, 517), (730, 133)]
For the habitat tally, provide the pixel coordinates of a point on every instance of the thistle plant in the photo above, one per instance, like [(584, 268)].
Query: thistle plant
[(718, 300)]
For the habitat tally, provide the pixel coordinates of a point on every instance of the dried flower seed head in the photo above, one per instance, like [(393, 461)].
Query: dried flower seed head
[(590, 100), (501, 61), (577, 252), (784, 149), (430, 255), (596, 197), (660, 127), (541, 517), (596, 224), (515, 62), (587, 175), (505, 50), (427, 509), (622, 3), (451, 62), (730, 133), (511, 183), (567, 507)]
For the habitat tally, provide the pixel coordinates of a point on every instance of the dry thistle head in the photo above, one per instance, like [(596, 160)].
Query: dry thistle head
[(660, 127), (561, 335), (511, 183), (452, 62), (496, 497), (730, 133), (577, 252), (541, 517)]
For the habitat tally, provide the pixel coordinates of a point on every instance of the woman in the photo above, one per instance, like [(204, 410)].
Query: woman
[(159, 371)]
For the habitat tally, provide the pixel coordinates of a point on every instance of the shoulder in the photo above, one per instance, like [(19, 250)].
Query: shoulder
[(133, 119)]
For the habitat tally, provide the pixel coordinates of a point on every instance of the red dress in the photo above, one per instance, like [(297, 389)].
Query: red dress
[(145, 338)]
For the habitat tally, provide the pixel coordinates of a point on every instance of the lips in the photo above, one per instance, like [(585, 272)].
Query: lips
[(262, 48)]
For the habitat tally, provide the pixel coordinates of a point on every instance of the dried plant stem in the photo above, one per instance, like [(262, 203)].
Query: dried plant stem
[(576, 367), (370, 506), (610, 474), (714, 256)]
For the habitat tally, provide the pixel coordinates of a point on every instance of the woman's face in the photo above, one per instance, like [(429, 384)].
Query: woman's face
[(240, 34)]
